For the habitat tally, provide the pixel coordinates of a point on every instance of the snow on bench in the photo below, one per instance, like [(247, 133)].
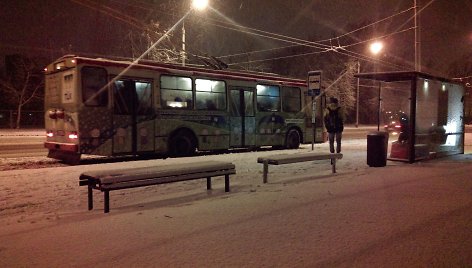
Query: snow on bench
[(117, 179), (281, 159)]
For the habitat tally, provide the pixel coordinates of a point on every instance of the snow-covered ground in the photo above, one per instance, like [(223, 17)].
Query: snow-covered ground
[(399, 215)]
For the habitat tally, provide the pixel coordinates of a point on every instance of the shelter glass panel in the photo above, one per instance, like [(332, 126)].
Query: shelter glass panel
[(395, 117), (439, 110)]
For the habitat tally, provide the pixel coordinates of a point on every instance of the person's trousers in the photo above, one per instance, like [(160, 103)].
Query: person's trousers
[(332, 136)]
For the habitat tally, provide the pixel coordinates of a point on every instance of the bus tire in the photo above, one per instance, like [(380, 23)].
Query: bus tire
[(183, 144), (68, 158), (293, 139)]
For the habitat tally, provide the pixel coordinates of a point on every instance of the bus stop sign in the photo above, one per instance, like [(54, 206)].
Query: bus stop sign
[(314, 82)]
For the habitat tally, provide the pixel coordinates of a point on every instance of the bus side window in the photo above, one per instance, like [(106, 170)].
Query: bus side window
[(268, 98), (94, 90), (176, 92), (144, 101), (291, 99), (210, 94), (123, 92)]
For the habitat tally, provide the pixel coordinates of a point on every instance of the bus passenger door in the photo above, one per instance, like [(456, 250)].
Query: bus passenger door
[(132, 119), (242, 120)]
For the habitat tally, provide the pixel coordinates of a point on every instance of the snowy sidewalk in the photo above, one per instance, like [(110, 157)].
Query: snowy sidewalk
[(399, 215)]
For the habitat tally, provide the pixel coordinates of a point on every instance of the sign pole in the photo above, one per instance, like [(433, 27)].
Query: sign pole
[(314, 90), (313, 122)]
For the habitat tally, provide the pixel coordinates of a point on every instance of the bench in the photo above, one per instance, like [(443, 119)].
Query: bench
[(282, 159), (117, 179)]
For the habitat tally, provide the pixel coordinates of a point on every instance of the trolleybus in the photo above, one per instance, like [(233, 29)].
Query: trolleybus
[(110, 107)]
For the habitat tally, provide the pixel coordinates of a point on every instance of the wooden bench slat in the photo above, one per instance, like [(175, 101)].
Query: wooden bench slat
[(281, 159), (116, 179), (109, 176), (163, 180)]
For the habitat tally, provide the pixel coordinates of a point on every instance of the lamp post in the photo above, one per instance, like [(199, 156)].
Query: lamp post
[(376, 48), (417, 38), (199, 5), (357, 95)]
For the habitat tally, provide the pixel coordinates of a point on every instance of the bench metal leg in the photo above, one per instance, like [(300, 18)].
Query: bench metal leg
[(106, 201), (90, 197), (226, 183), (265, 171), (333, 164), (209, 183)]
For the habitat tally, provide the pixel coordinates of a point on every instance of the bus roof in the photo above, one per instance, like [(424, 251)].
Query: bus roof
[(187, 70)]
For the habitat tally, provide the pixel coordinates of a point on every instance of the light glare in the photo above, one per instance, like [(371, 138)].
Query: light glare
[(376, 47), (200, 4), (73, 136)]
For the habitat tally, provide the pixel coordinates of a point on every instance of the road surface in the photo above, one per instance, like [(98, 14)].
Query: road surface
[(14, 143)]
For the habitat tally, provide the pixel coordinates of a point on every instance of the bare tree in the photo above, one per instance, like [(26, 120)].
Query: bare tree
[(140, 42), (21, 84), (343, 87)]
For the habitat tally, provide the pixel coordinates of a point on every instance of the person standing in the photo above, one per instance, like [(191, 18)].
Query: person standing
[(334, 117)]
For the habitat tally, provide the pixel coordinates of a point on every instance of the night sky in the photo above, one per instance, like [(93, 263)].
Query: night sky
[(51, 28)]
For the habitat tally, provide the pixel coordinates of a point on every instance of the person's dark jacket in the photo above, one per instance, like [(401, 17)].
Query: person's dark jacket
[(334, 117)]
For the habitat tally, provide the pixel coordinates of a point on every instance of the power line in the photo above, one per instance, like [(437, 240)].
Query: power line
[(369, 25), (112, 13), (278, 58), (332, 49), (298, 42), (319, 41), (379, 37)]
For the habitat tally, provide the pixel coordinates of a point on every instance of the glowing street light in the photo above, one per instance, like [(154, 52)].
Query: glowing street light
[(199, 5), (376, 47)]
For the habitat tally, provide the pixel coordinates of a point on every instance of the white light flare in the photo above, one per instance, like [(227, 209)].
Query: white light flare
[(376, 47), (200, 4)]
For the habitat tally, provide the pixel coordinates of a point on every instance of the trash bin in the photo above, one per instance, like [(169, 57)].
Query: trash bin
[(377, 143)]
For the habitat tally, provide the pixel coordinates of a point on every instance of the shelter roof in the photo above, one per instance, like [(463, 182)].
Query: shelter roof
[(399, 76)]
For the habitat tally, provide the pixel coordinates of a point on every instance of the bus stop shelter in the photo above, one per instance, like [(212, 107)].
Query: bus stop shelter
[(423, 114)]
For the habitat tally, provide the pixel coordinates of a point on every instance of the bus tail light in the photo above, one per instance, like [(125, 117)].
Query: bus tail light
[(60, 114), (73, 135), (56, 114), (49, 134), (52, 114)]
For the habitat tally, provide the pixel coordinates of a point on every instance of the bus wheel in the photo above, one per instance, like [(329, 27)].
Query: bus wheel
[(183, 144), (68, 158), (293, 139)]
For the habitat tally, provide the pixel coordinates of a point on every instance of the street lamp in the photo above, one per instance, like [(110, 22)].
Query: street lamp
[(375, 48), (199, 5)]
